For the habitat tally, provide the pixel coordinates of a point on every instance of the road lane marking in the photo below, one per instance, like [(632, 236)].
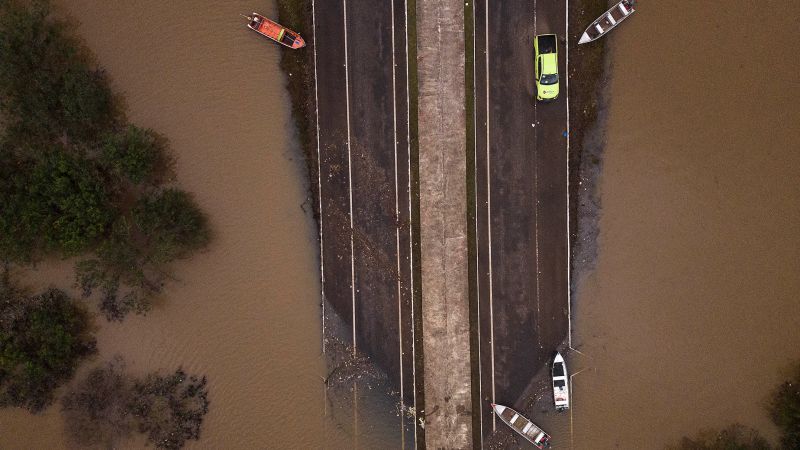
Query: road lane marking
[(569, 243), (319, 195), (477, 230), (410, 228), (397, 238), (536, 203), (350, 184), (319, 174), (489, 214), (352, 246)]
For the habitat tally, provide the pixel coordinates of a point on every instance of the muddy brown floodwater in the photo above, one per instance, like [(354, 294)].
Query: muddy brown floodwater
[(246, 312), (692, 312)]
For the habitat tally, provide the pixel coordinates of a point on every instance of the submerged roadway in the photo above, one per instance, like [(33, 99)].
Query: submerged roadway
[(363, 93)]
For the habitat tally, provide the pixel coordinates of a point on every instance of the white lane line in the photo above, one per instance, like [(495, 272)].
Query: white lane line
[(489, 215), (569, 244), (352, 246), (350, 184), (397, 238), (319, 173), (477, 234), (410, 229), (536, 204), (319, 197)]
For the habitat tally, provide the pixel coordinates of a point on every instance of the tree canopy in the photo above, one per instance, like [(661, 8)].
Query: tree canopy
[(75, 177), (109, 404), (42, 340), (50, 85), (134, 153)]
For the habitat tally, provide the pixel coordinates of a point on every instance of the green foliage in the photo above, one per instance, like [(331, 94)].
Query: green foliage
[(68, 194), (55, 203), (127, 267), (42, 340), (170, 409), (109, 404), (734, 437), (785, 410), (135, 153), (65, 153), (47, 83), (118, 262), (172, 223)]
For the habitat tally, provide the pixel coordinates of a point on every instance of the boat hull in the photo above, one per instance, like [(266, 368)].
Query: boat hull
[(560, 378), (275, 31), (608, 21), (523, 426)]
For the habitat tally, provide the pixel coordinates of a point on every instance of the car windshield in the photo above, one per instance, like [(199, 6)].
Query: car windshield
[(549, 79)]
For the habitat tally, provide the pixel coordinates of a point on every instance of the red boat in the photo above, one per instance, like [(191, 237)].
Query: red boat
[(275, 31)]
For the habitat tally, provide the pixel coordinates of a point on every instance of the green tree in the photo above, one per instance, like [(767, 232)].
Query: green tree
[(42, 340), (170, 409), (56, 203), (785, 410), (135, 153), (108, 405), (173, 224), (118, 265), (48, 85)]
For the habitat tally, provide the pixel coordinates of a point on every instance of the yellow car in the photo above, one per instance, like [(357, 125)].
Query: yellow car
[(545, 53)]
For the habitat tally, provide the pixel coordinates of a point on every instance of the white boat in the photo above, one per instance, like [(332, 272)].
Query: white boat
[(523, 426), (560, 383), (610, 19)]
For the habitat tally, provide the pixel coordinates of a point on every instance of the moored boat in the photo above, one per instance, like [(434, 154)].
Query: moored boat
[(560, 383), (610, 19), (275, 31), (523, 426)]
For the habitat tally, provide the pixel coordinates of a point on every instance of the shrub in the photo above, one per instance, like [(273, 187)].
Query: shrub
[(56, 203), (172, 223), (170, 409), (109, 404), (47, 84), (42, 340), (134, 153)]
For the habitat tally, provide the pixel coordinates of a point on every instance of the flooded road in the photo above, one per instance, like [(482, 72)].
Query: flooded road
[(246, 312), (692, 312)]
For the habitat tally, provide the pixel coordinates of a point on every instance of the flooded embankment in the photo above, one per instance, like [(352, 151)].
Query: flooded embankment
[(245, 312), (692, 311)]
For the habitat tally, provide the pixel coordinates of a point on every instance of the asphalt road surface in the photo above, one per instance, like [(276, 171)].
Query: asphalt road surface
[(521, 201), (362, 92)]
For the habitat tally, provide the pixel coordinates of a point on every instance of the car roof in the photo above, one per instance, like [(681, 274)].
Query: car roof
[(549, 63)]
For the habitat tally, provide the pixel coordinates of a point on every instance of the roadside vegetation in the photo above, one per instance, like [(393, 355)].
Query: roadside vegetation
[(110, 405), (76, 179), (784, 410)]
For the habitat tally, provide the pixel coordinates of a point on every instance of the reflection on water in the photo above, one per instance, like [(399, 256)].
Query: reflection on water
[(246, 312), (692, 311)]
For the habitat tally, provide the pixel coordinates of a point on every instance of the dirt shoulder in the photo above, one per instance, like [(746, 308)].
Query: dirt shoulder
[(588, 72)]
